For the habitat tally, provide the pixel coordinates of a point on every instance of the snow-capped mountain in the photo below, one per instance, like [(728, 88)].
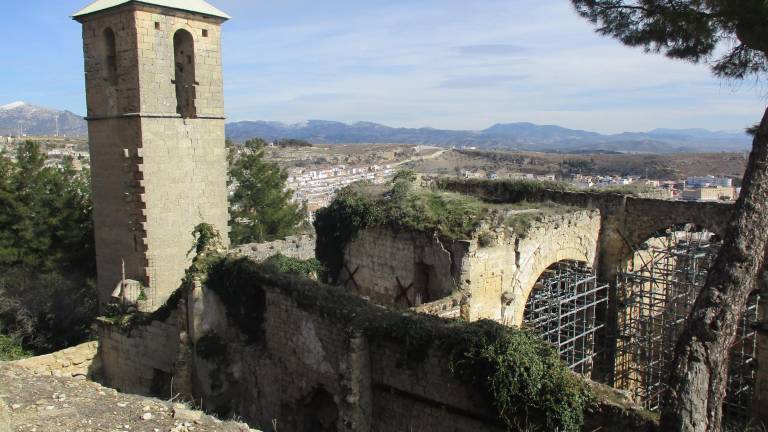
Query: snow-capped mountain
[(22, 118)]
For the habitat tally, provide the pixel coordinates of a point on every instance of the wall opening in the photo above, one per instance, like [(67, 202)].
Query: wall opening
[(564, 307), (184, 59), (109, 48), (424, 289), (655, 296), (318, 412)]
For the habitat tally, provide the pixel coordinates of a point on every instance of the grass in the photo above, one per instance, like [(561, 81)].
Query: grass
[(636, 190), (522, 215)]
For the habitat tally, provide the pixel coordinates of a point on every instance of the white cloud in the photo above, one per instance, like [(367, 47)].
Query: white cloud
[(462, 65)]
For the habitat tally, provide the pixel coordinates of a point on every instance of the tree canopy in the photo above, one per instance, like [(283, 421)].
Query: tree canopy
[(731, 35), (260, 206), (47, 258)]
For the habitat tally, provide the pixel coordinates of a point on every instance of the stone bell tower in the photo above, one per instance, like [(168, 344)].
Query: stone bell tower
[(156, 128)]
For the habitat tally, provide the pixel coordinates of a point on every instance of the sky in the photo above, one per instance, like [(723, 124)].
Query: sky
[(450, 64)]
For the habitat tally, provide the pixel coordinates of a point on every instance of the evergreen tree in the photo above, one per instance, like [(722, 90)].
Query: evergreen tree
[(260, 206), (47, 261), (732, 36)]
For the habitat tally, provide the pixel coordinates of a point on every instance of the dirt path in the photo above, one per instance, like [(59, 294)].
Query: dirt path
[(43, 403)]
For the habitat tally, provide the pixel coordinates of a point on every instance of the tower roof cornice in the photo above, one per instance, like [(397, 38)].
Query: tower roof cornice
[(195, 6)]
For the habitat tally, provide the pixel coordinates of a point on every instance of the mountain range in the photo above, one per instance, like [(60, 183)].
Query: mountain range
[(21, 118), (34, 120), (513, 136)]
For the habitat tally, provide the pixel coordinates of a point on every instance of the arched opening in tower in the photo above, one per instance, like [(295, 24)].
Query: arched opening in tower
[(655, 295), (565, 307), (184, 60), (109, 48)]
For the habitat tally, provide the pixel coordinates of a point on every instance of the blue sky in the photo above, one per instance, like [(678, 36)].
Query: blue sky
[(453, 64)]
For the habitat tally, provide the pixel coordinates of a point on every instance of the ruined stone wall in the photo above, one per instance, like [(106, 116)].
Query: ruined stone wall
[(301, 367), (142, 359), (424, 396), (500, 277), (76, 362), (626, 220), (491, 282), (401, 268), (300, 247)]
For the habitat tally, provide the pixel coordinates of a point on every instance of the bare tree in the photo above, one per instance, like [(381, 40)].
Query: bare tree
[(695, 30)]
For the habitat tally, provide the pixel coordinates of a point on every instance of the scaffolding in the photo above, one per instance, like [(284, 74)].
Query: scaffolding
[(655, 296), (564, 308)]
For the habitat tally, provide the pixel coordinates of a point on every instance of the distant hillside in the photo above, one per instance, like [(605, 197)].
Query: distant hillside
[(28, 119), (35, 120), (512, 136)]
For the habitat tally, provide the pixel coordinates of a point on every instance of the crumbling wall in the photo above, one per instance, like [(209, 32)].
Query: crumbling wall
[(499, 278), (80, 361), (491, 281), (141, 359), (302, 355), (404, 269), (424, 396), (300, 247)]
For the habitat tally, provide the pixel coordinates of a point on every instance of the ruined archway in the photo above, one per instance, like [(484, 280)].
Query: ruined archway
[(184, 61), (655, 293), (564, 307)]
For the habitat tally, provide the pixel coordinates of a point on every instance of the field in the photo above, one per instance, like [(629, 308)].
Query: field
[(663, 167)]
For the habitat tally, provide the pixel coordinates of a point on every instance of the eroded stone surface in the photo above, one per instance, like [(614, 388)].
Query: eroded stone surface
[(46, 403)]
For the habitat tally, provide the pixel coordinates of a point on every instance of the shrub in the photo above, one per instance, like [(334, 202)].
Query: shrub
[(11, 349), (402, 207)]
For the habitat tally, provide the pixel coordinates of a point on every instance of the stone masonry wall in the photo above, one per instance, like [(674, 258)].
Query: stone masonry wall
[(401, 268), (500, 277), (301, 368), (142, 360), (492, 282), (300, 247), (155, 175), (77, 362)]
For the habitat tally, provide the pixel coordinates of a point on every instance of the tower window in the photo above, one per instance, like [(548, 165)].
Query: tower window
[(109, 46), (205, 32), (157, 25), (184, 58)]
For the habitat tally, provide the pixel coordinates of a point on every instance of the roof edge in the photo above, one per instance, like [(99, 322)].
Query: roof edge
[(83, 13)]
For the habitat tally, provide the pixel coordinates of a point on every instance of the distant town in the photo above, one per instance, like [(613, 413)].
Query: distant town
[(316, 174)]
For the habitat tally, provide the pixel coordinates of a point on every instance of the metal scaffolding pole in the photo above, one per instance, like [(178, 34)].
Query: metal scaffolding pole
[(562, 308), (655, 296)]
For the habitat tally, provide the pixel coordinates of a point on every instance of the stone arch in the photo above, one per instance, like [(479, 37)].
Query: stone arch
[(535, 272), (652, 230), (184, 77)]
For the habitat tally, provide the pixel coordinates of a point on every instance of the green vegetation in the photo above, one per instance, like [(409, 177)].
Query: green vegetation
[(312, 268), (285, 143), (505, 191), (47, 260), (520, 374), (522, 215), (403, 207), (11, 349), (630, 189), (260, 207)]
